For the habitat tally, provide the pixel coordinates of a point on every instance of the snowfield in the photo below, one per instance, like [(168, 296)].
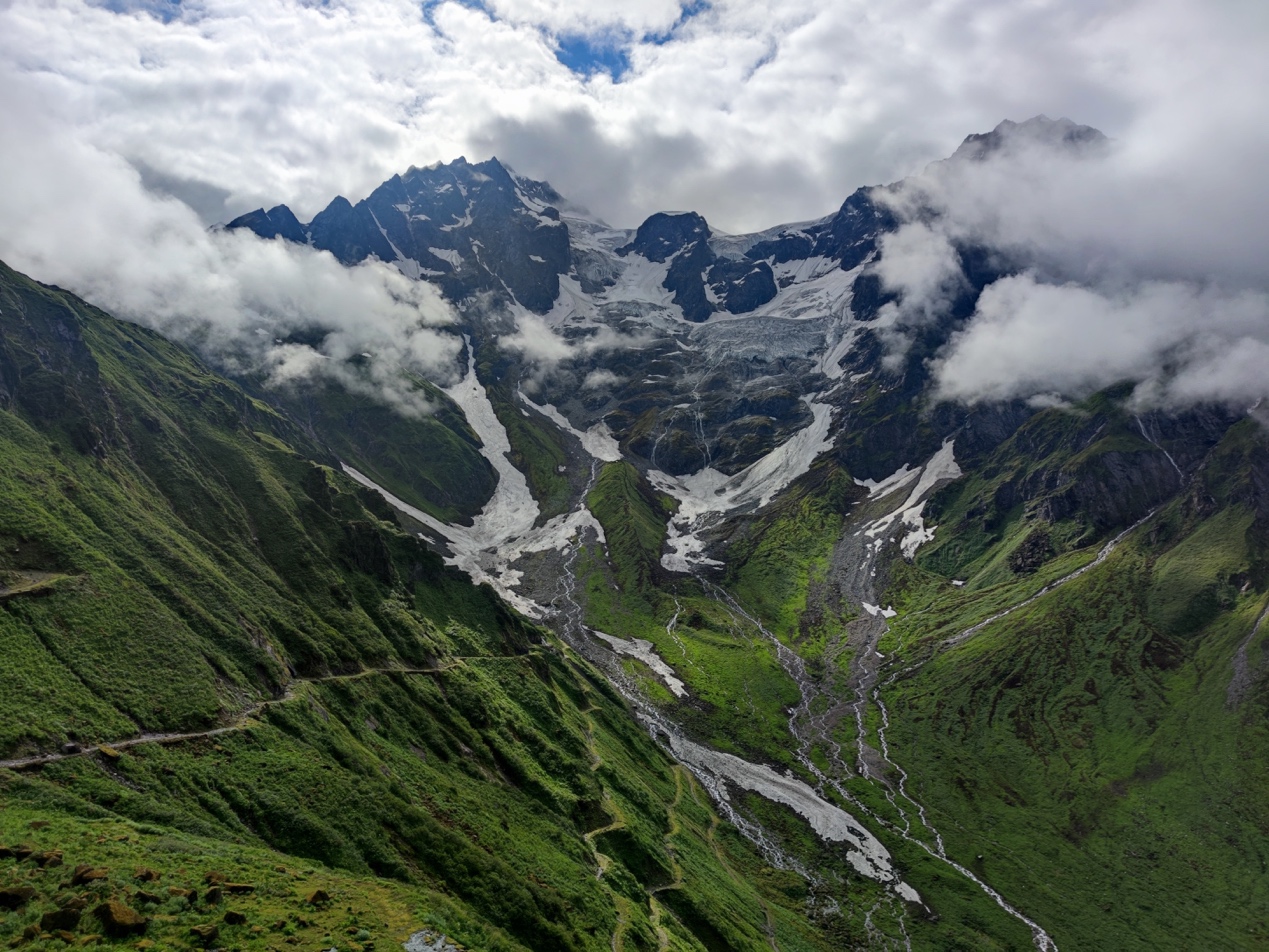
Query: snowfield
[(504, 530), (706, 496)]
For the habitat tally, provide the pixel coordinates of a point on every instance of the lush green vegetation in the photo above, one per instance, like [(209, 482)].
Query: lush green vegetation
[(1085, 752), (181, 556), (1086, 755), (434, 461), (176, 556)]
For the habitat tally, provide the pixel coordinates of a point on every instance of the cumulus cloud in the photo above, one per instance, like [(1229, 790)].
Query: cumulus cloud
[(544, 349), (749, 111), (583, 16), (1142, 259), (599, 379), (1182, 343), (81, 218)]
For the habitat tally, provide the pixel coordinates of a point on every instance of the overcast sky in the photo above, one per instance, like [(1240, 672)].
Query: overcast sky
[(127, 126), (752, 112)]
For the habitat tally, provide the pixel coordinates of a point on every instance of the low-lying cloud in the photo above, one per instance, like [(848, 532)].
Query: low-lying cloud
[(81, 218), (1126, 266), (1180, 342), (545, 351)]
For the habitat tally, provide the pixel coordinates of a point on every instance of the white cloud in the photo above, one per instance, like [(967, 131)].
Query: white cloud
[(599, 379), (1181, 344), (921, 264), (588, 16), (538, 342), (79, 217), (767, 111), (1140, 266), (750, 111)]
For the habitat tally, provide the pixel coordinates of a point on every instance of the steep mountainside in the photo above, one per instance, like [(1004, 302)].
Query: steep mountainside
[(767, 647), (220, 659)]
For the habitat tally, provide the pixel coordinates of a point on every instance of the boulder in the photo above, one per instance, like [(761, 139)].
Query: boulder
[(13, 897), (59, 920), (213, 895), (318, 897), (234, 918), (88, 874), (240, 888), (118, 921), (206, 933), (146, 875)]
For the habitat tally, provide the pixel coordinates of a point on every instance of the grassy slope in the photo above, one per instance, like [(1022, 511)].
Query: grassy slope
[(740, 697), (173, 559), (1083, 747), (738, 691), (434, 462)]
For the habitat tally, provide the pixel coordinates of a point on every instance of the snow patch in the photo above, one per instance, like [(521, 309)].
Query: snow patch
[(598, 440), (874, 610), (644, 651), (941, 468), (705, 496), (830, 823), (449, 255), (504, 530), (710, 294)]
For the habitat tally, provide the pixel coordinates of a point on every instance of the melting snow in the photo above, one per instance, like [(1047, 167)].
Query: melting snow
[(831, 823), (644, 651), (874, 610), (941, 468), (598, 441), (705, 496), (448, 254), (504, 530)]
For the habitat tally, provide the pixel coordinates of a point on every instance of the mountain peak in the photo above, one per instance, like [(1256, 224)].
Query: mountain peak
[(1061, 134), (664, 234)]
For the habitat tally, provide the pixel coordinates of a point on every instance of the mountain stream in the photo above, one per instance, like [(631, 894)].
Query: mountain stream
[(505, 531)]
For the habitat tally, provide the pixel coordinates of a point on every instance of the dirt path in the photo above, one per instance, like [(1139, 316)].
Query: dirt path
[(239, 722), (27, 582)]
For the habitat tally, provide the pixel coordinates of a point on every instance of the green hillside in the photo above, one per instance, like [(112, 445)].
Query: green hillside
[(220, 655)]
